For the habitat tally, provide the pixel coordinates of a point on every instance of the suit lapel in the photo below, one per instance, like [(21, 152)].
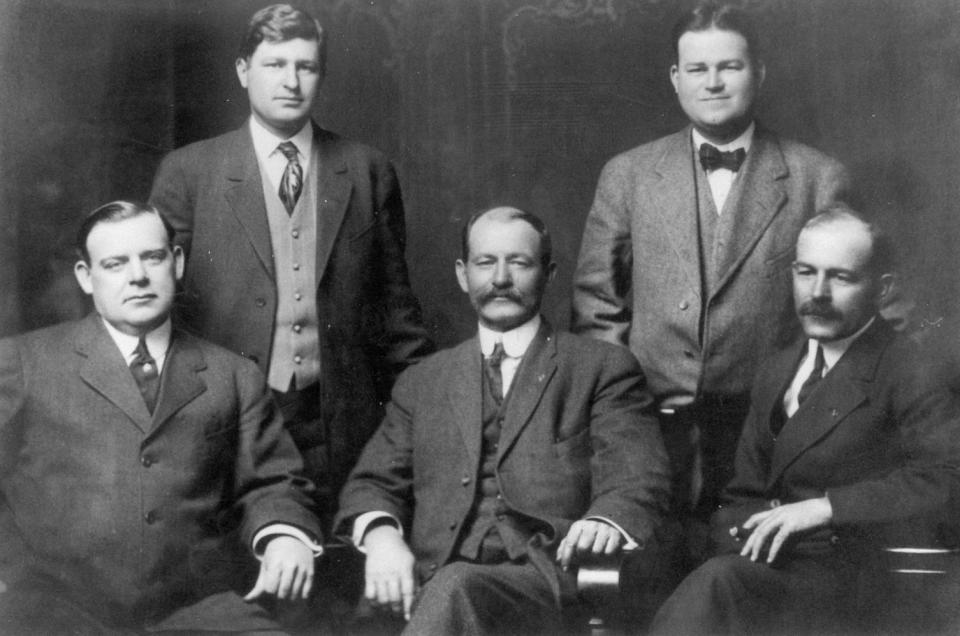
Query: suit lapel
[(180, 382), (675, 200), (754, 204), (466, 395), (841, 391), (105, 371), (533, 376), (244, 194), (333, 189)]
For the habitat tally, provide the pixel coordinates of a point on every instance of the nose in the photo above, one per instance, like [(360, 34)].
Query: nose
[(714, 80), (501, 275), (291, 79), (821, 287), (137, 273)]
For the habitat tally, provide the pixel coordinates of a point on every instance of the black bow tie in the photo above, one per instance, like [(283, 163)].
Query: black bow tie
[(712, 158)]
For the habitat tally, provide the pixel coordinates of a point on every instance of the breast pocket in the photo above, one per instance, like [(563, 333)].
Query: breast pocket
[(779, 264), (577, 445)]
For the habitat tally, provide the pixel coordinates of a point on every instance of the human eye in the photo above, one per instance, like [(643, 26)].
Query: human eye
[(695, 68), (111, 264), (308, 67), (155, 257), (799, 269)]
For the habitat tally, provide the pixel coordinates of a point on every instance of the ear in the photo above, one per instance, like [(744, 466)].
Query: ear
[(675, 77), (551, 271), (761, 74), (82, 272), (886, 286), (242, 67), (462, 275), (178, 262)]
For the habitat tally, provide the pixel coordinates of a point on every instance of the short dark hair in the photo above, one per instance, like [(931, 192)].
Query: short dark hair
[(279, 23), (716, 15), (511, 214), (883, 257), (112, 212)]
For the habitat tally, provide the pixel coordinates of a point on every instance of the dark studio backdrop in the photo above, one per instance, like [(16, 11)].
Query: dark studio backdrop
[(478, 102)]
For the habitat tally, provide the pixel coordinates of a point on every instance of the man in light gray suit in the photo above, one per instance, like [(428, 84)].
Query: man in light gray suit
[(686, 252)]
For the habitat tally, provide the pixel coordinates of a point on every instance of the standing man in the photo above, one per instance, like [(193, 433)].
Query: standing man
[(847, 434), (141, 468), (296, 242), (686, 252), (503, 459)]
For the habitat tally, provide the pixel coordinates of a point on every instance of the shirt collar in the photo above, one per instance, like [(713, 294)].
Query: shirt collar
[(265, 142), (834, 349), (745, 140), (515, 342), (158, 341)]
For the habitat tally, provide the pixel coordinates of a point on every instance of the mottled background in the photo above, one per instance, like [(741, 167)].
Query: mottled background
[(479, 102)]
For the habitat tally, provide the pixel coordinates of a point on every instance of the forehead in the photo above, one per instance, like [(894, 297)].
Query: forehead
[(126, 236), (493, 233), (712, 44), (844, 244), (295, 48)]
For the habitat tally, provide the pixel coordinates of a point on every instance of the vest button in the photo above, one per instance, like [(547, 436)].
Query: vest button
[(151, 517), (465, 481), (260, 302), (295, 233), (453, 525), (297, 328), (684, 305), (147, 461)]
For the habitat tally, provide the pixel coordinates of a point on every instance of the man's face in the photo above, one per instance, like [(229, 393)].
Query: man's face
[(132, 272), (504, 275), (282, 80), (716, 82), (834, 290)]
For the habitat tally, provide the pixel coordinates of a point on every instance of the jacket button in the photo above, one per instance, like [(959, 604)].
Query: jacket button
[(453, 525), (774, 503), (465, 480), (834, 539), (260, 302), (151, 517), (147, 461)]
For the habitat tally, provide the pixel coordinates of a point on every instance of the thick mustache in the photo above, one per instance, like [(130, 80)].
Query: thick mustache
[(811, 308), (507, 293)]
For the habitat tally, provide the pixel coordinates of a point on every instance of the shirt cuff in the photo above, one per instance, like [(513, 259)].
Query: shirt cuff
[(283, 529), (630, 543), (363, 522)]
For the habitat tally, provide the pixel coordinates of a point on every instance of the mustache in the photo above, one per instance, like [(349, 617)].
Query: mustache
[(509, 294), (812, 308)]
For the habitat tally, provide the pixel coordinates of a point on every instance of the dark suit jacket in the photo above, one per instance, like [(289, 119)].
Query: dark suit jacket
[(879, 436), (137, 515), (638, 280), (577, 440), (370, 327)]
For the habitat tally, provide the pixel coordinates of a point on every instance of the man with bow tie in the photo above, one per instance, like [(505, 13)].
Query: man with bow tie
[(143, 471), (295, 243), (686, 252), (503, 460), (851, 440)]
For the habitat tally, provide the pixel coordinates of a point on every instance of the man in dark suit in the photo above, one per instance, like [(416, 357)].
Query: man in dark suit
[(296, 243), (686, 252), (142, 469), (847, 439), (502, 459)]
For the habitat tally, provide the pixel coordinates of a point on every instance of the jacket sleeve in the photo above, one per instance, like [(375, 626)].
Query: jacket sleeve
[(602, 281), (630, 472), (382, 479), (14, 553), (269, 483), (170, 194)]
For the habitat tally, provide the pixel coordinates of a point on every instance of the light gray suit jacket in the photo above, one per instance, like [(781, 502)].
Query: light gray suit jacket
[(638, 280)]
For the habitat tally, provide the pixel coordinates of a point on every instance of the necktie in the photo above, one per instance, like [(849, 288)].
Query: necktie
[(292, 182), (814, 378), (712, 158), (144, 370), (491, 366)]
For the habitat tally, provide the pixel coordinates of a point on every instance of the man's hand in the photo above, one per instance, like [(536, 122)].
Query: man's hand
[(588, 536), (389, 570), (286, 570), (782, 522)]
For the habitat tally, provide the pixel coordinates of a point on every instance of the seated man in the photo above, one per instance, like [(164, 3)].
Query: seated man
[(848, 439), (141, 469), (504, 458)]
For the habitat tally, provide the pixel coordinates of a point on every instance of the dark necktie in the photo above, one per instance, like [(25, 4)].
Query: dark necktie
[(712, 158), (814, 378), (144, 369), (292, 182), (491, 366)]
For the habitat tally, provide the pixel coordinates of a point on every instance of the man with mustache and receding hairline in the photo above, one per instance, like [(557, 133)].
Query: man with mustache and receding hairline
[(504, 460), (849, 439)]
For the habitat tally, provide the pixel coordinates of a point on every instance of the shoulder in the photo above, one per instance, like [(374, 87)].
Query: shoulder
[(800, 157), (646, 154), (585, 352), (197, 151), (354, 153), (54, 338), (220, 360)]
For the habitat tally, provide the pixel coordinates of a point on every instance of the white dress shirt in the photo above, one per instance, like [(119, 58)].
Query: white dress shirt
[(832, 352), (721, 179), (271, 159)]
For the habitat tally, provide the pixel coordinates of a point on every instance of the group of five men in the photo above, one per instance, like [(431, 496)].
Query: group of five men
[(142, 464)]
